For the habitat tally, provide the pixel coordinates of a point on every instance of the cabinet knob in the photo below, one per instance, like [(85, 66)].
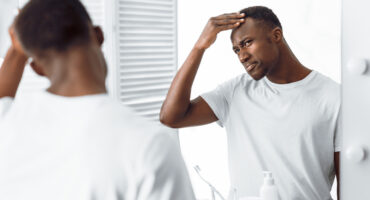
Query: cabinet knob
[(357, 66), (355, 154)]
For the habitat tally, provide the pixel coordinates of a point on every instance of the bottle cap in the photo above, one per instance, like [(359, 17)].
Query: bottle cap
[(268, 179)]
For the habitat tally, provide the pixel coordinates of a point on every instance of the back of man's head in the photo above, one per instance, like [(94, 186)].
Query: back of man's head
[(262, 14), (55, 25)]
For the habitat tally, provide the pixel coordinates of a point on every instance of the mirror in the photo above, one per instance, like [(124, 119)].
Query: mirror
[(311, 28)]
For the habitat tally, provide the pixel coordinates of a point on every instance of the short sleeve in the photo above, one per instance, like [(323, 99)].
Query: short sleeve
[(338, 134), (5, 104), (163, 174), (219, 99)]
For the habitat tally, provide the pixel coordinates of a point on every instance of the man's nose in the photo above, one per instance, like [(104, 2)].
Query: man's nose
[(244, 56)]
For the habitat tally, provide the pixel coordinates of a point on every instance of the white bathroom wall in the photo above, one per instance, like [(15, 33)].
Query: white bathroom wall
[(312, 29)]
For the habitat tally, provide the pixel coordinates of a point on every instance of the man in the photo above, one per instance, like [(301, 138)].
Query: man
[(72, 141), (281, 116)]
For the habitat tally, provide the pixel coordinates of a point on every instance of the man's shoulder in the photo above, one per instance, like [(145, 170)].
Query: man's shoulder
[(132, 135), (329, 81), (328, 85), (116, 118), (240, 79), (237, 82), (327, 89)]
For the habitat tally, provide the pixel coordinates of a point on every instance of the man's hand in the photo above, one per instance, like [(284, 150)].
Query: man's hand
[(216, 25), (15, 42)]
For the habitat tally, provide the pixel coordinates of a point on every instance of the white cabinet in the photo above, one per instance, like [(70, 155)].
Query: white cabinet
[(355, 161)]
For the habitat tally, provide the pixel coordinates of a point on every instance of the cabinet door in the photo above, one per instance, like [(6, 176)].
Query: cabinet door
[(355, 162)]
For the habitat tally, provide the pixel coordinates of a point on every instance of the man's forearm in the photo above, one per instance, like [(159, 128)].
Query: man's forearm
[(178, 97), (11, 72)]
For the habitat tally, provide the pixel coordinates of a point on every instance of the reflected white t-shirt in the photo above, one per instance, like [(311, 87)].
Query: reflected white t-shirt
[(86, 148), (289, 129)]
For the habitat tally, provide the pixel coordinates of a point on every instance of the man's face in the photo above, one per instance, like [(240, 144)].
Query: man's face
[(256, 49)]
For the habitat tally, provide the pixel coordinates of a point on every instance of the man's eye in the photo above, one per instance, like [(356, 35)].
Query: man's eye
[(236, 50), (247, 43)]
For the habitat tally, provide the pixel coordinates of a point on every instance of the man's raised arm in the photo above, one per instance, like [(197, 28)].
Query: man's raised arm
[(177, 110), (12, 68)]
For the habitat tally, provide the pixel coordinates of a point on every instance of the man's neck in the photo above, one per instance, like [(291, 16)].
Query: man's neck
[(71, 89), (288, 69), (79, 72)]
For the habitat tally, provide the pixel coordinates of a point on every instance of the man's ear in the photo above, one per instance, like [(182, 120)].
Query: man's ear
[(99, 35), (36, 68), (277, 35)]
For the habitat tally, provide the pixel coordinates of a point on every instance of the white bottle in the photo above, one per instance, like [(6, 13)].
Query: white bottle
[(269, 190)]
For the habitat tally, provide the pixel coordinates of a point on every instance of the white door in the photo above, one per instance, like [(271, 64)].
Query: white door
[(355, 162)]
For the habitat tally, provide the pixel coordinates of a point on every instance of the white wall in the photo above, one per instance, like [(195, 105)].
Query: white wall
[(312, 29)]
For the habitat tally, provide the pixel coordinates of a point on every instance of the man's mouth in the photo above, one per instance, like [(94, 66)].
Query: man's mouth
[(250, 67)]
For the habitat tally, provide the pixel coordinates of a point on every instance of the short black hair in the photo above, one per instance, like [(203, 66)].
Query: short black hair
[(44, 25), (263, 14)]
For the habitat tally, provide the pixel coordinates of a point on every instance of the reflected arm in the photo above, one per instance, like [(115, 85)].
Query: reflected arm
[(177, 110)]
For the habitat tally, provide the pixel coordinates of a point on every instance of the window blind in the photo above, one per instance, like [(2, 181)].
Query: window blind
[(147, 53)]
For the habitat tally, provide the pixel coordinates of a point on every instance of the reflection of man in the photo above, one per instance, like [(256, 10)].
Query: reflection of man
[(280, 117), (72, 141)]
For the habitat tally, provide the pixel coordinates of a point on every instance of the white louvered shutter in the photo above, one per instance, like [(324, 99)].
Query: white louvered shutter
[(140, 49), (147, 53)]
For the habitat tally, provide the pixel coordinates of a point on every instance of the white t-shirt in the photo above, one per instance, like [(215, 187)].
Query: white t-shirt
[(85, 148), (289, 129)]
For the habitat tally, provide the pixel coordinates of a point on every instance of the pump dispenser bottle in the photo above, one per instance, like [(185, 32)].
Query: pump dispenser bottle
[(269, 190)]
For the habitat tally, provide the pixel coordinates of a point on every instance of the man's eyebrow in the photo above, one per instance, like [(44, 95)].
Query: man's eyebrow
[(242, 41)]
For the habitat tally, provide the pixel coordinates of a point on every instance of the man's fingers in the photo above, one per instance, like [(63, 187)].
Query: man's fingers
[(229, 26), (229, 16), (15, 41), (228, 21)]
